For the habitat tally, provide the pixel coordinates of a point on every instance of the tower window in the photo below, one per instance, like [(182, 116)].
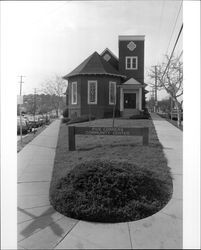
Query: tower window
[(92, 92), (131, 62)]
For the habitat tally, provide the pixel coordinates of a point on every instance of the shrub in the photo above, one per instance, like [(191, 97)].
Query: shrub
[(144, 114), (110, 191), (84, 118), (65, 120), (109, 114), (141, 116), (65, 113)]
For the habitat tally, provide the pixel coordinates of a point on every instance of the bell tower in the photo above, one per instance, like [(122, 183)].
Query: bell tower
[(131, 57)]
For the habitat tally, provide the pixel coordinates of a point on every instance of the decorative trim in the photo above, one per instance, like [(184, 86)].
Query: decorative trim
[(107, 57), (83, 74), (110, 53), (96, 94), (131, 45), (115, 93), (135, 38), (75, 84)]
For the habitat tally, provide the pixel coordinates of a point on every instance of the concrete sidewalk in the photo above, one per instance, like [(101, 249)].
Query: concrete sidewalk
[(40, 227)]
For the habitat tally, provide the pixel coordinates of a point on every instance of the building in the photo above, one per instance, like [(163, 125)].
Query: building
[(104, 82)]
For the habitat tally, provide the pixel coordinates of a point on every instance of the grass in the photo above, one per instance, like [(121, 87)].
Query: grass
[(28, 138), (127, 149), (173, 122)]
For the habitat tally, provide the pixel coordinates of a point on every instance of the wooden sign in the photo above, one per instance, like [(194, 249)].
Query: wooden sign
[(72, 131)]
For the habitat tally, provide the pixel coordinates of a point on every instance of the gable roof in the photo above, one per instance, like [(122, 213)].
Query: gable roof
[(94, 64), (109, 52), (133, 81)]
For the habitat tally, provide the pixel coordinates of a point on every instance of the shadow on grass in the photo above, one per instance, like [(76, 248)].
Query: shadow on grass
[(41, 222), (151, 145)]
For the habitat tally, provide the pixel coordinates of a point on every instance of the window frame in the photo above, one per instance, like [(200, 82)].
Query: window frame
[(96, 93), (72, 89), (115, 93), (131, 62)]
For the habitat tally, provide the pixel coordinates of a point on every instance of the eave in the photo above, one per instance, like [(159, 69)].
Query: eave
[(96, 74)]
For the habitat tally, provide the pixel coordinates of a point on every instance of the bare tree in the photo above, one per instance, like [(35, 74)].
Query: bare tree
[(170, 78), (55, 87), (154, 84)]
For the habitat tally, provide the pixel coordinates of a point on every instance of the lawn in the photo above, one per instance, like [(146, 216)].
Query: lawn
[(117, 148)]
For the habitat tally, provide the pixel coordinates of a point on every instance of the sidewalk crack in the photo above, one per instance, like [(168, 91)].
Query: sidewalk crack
[(66, 234), (36, 145), (19, 182), (130, 235)]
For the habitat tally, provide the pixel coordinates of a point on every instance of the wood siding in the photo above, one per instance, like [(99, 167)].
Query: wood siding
[(102, 108), (113, 61), (139, 52)]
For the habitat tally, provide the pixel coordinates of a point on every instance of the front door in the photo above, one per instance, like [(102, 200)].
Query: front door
[(130, 100)]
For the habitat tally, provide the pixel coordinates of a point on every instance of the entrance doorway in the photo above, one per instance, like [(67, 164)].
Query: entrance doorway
[(129, 100)]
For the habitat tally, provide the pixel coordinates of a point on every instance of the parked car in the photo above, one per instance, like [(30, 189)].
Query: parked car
[(28, 122), (47, 118), (25, 126), (41, 120), (33, 121)]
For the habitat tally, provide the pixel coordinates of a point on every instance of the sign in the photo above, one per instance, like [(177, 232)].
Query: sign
[(19, 99), (117, 131)]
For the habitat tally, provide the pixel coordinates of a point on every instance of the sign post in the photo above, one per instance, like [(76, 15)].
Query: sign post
[(138, 131), (71, 138)]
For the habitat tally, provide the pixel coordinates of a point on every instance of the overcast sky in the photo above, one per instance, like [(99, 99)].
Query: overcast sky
[(49, 37)]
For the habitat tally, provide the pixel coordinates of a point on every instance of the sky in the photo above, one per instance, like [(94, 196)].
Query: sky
[(44, 38)]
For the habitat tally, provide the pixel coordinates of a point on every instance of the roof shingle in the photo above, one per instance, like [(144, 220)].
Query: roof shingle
[(94, 64)]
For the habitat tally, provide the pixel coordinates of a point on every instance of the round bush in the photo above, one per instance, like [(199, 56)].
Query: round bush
[(110, 191), (65, 113)]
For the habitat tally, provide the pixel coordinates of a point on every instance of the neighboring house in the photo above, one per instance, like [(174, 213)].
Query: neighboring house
[(103, 81)]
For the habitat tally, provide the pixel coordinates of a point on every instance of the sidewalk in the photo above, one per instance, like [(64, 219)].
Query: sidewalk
[(40, 227)]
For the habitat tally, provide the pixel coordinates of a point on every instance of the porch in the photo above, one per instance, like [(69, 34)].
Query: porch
[(131, 98)]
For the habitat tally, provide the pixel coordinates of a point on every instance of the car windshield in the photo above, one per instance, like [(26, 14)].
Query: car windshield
[(23, 122)]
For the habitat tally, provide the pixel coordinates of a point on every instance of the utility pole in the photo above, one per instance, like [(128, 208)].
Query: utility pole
[(156, 103), (34, 109), (20, 105)]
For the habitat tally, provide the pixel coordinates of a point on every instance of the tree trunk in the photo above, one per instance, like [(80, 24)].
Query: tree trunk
[(178, 114), (57, 113)]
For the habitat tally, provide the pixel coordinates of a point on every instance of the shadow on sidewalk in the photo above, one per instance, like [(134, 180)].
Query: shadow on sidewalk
[(41, 222)]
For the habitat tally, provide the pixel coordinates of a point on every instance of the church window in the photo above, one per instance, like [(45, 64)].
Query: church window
[(92, 92)]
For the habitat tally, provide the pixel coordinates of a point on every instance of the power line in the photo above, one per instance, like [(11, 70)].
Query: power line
[(180, 55), (173, 50), (174, 26)]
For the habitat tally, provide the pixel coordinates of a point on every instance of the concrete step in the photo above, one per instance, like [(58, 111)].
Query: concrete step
[(129, 112)]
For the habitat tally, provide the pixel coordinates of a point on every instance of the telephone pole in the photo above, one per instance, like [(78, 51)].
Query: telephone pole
[(20, 106), (34, 109), (156, 102)]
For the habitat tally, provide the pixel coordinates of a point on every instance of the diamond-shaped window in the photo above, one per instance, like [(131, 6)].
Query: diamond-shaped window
[(107, 57), (131, 46)]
